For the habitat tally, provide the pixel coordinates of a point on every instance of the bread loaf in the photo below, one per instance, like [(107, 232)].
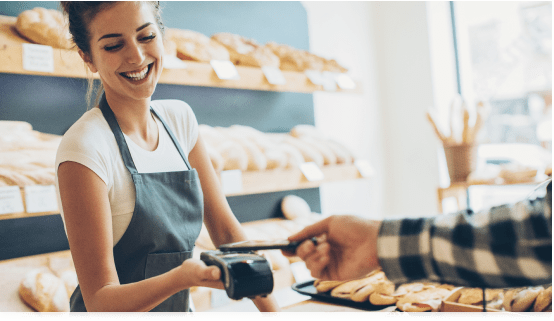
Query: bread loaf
[(274, 154), (192, 45), (13, 178), (543, 302), (215, 158), (245, 51), (524, 299), (325, 286), (309, 153), (350, 288), (69, 279), (422, 301), (294, 207), (305, 130), (328, 155), (44, 292), (170, 47), (45, 27), (256, 158), (234, 156)]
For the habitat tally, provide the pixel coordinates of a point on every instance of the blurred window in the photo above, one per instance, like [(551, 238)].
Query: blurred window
[(504, 57)]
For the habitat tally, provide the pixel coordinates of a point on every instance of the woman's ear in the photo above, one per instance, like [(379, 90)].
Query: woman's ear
[(88, 61)]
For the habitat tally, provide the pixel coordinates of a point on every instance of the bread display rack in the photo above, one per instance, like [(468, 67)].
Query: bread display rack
[(254, 182), (67, 63)]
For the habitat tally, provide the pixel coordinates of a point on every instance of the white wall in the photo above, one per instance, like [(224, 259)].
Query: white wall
[(342, 31), (386, 46)]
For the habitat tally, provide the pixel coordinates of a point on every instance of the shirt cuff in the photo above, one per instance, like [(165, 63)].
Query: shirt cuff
[(404, 251)]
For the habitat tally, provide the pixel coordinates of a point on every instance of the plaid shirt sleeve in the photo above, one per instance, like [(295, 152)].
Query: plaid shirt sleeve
[(505, 246)]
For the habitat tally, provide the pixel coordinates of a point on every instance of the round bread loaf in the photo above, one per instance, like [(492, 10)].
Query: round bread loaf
[(294, 207), (45, 27)]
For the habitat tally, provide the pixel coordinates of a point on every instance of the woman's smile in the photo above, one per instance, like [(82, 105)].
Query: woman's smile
[(138, 76)]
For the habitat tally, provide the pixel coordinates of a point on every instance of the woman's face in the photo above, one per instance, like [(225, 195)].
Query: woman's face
[(127, 49)]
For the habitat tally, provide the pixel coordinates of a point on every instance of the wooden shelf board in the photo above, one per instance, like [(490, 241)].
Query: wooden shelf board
[(24, 213), (67, 63), (255, 182), (291, 179)]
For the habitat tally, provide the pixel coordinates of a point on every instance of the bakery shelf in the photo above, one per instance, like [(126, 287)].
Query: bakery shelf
[(255, 182), (25, 214), (67, 63)]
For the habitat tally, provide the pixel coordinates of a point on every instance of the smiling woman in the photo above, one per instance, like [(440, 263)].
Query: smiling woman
[(134, 180)]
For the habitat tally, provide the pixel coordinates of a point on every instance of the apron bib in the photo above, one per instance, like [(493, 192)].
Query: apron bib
[(166, 221)]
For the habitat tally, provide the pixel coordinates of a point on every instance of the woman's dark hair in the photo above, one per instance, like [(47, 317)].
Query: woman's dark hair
[(79, 15)]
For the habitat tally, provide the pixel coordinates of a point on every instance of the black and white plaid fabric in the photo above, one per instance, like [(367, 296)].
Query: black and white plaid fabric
[(505, 246)]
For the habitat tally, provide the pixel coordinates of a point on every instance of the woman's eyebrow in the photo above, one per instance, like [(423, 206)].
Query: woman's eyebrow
[(115, 35)]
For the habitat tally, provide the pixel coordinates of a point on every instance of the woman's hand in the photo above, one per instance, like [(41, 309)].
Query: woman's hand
[(346, 247), (195, 272)]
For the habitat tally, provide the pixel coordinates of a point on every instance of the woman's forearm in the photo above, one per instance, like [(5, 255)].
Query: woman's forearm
[(140, 296), (267, 304)]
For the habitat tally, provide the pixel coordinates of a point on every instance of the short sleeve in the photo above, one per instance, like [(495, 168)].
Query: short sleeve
[(85, 143)]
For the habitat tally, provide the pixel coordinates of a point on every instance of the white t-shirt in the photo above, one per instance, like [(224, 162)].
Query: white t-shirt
[(90, 142)]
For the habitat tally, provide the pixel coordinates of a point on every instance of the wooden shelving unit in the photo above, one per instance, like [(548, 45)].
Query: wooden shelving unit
[(255, 182), (67, 63)]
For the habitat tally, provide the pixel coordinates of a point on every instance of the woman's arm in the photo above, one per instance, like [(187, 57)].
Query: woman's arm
[(221, 223), (88, 220)]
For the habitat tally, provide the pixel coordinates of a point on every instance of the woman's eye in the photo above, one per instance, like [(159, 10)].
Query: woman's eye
[(152, 36), (112, 48)]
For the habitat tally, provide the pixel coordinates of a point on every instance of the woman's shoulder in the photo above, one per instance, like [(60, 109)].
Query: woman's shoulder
[(174, 111), (88, 134), (172, 107)]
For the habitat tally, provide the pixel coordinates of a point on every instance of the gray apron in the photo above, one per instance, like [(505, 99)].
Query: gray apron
[(166, 221)]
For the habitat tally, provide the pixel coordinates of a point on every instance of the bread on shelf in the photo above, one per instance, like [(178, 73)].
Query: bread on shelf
[(248, 149), (301, 60), (245, 51), (27, 157), (193, 45), (45, 27), (44, 292)]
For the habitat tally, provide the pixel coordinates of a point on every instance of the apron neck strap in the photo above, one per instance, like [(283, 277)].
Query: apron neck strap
[(175, 141), (120, 139), (121, 143)]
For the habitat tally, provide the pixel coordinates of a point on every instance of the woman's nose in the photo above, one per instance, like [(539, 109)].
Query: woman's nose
[(135, 54)]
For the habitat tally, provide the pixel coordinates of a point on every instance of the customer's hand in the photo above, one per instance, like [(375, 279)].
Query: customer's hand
[(346, 247)]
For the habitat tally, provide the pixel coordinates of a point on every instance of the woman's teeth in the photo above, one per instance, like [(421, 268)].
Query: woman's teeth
[(137, 75)]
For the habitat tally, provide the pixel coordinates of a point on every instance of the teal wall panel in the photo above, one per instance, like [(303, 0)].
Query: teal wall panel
[(53, 104)]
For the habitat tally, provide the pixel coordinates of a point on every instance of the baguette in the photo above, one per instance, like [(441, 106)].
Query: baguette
[(44, 292)]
